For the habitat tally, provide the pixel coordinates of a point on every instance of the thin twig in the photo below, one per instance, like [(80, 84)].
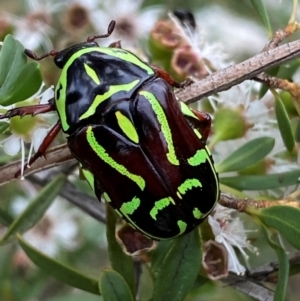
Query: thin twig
[(54, 157), (224, 79)]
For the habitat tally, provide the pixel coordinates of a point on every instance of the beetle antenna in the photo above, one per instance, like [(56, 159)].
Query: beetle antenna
[(110, 29), (33, 56)]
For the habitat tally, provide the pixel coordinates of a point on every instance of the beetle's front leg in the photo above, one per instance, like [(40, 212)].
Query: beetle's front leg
[(169, 79), (44, 146), (203, 124), (29, 110)]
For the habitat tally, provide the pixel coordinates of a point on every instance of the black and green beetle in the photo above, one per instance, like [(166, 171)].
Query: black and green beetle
[(138, 146)]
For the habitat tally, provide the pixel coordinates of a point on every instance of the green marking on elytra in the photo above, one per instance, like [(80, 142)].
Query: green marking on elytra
[(128, 208), (101, 152), (182, 226), (106, 197), (127, 56), (91, 73), (63, 80), (113, 89), (197, 213), (199, 158), (127, 127), (188, 184), (119, 213), (162, 119), (160, 205), (89, 177), (198, 134), (186, 110), (208, 150)]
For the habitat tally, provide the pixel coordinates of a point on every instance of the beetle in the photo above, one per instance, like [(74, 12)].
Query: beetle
[(138, 146)]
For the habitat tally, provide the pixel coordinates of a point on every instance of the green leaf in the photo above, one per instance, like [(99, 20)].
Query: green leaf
[(248, 154), (12, 59), (159, 254), (5, 218), (261, 182), (297, 132), (58, 270), (179, 269), (260, 8), (19, 80), (28, 82), (36, 209), (284, 219), (284, 124), (120, 262), (283, 274), (113, 287)]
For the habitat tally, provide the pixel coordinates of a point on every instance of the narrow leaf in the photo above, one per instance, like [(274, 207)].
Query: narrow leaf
[(179, 269), (260, 8), (120, 262), (261, 182), (284, 124), (297, 132), (159, 254), (113, 287), (248, 154), (36, 209), (283, 273), (284, 219), (58, 270)]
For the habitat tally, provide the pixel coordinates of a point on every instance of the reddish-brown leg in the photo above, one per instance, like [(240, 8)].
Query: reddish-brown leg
[(29, 110), (203, 123), (43, 147), (169, 79)]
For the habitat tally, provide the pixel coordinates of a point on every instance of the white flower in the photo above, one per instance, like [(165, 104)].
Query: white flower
[(231, 233), (33, 30), (210, 53), (239, 36), (132, 23)]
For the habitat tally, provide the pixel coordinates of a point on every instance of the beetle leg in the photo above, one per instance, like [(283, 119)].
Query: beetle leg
[(169, 79), (203, 124), (29, 110), (43, 147)]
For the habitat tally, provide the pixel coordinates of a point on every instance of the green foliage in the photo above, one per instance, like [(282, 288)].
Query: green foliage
[(19, 79), (284, 219), (179, 268), (114, 287), (248, 154), (281, 288), (284, 124), (262, 182), (35, 210), (260, 8), (59, 270), (120, 262)]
